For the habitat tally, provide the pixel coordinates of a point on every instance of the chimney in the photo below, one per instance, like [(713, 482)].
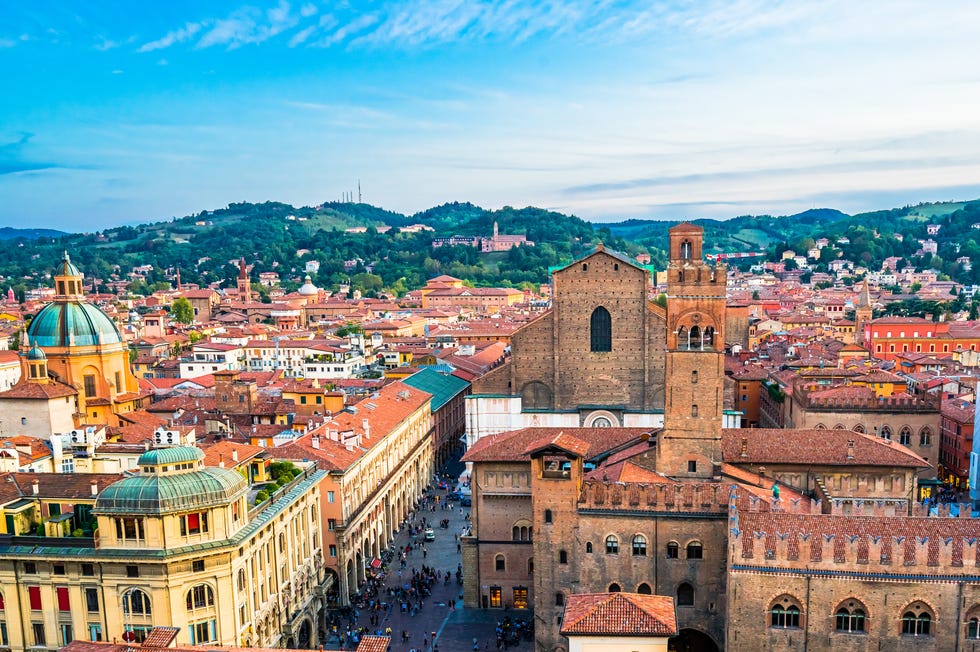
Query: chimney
[(762, 476), (234, 454), (745, 446), (221, 461), (850, 449), (95, 488), (366, 425), (315, 442), (35, 487)]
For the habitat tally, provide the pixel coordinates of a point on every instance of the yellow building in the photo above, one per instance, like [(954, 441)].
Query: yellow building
[(85, 350), (179, 544)]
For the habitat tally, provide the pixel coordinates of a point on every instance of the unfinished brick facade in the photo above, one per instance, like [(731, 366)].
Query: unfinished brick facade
[(561, 361)]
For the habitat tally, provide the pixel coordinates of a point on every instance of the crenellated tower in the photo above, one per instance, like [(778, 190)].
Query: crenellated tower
[(690, 444)]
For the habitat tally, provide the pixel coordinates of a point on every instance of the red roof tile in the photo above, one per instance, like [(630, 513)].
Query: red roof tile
[(619, 614)]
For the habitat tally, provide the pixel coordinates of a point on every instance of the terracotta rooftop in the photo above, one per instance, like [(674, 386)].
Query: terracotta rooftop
[(619, 614), (813, 446), (29, 390), (513, 446)]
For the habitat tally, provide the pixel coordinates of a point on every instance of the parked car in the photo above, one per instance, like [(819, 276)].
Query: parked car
[(454, 495), (430, 535), (466, 501)]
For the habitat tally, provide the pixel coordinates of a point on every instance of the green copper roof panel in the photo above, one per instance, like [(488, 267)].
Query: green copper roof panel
[(442, 387), (173, 455)]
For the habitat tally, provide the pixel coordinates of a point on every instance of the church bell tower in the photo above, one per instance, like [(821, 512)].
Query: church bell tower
[(690, 444)]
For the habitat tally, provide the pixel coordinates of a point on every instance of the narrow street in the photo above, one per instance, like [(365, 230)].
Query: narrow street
[(441, 624)]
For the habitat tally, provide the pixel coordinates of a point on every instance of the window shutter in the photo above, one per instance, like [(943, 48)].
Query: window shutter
[(64, 604), (34, 594)]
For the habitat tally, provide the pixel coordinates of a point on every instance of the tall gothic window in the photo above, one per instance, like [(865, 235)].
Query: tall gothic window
[(601, 324), (686, 250)]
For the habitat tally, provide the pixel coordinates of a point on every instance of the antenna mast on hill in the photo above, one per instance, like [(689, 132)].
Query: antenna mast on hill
[(358, 191)]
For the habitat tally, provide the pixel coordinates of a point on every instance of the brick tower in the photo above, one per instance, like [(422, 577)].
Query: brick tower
[(690, 444)]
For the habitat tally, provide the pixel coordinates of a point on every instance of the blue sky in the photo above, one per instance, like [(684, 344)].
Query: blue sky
[(130, 112)]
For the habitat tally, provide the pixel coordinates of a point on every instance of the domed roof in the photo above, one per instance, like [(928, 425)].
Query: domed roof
[(67, 267), (72, 322), (308, 289), (166, 490), (36, 354), (172, 455)]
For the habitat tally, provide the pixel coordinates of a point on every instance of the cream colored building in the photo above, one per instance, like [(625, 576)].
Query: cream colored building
[(178, 544)]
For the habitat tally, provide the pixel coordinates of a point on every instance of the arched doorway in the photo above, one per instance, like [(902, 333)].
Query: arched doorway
[(304, 638), (691, 640)]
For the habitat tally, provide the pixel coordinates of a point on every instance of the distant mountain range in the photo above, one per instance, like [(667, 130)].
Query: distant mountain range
[(274, 236)]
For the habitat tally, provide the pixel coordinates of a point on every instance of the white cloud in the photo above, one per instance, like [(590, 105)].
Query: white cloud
[(307, 10), (249, 26), (353, 27), (176, 36), (7, 43)]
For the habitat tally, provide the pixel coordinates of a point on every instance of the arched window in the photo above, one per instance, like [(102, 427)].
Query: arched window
[(673, 550), (521, 531), (925, 436), (850, 617), (708, 339), (644, 589), (973, 628), (686, 250), (588, 547), (820, 426), (530, 566), (886, 432), (694, 377), (784, 613), (612, 545), (200, 597), (840, 426), (536, 395), (916, 624), (860, 428), (614, 588), (499, 563), (601, 329), (694, 338), (694, 550), (694, 410), (562, 556), (547, 516), (639, 546), (685, 595), (136, 603), (916, 620), (241, 579), (905, 436)]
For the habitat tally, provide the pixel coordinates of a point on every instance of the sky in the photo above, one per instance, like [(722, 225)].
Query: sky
[(114, 113)]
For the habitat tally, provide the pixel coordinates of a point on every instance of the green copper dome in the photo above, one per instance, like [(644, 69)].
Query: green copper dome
[(72, 323), (166, 494), (167, 489), (36, 354), (173, 455)]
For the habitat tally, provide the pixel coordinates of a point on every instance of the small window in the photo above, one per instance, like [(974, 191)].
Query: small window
[(612, 545), (694, 550), (562, 556), (615, 588), (692, 466), (588, 547), (685, 595), (694, 410), (639, 546), (197, 565), (673, 550), (694, 377), (615, 267), (30, 567), (132, 571), (547, 516), (644, 589), (916, 624), (585, 267), (499, 563), (59, 569), (88, 570)]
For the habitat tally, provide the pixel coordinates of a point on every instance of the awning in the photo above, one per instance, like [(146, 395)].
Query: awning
[(375, 563)]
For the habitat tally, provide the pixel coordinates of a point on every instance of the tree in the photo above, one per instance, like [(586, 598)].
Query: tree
[(182, 311), (755, 295)]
